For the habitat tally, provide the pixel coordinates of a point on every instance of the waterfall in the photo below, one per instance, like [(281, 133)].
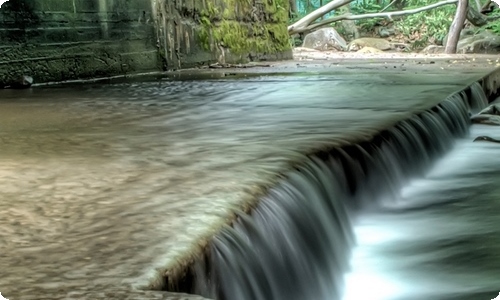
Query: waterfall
[(296, 243)]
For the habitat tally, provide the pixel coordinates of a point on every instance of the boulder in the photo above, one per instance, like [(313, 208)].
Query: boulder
[(433, 49), (493, 109), (376, 43), (463, 34), (490, 115), (486, 119), (483, 42), (369, 50), (325, 39), (385, 32), (21, 82)]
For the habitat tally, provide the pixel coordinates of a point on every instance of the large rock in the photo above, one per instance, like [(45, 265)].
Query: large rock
[(369, 50), (486, 119), (463, 34), (484, 42), (433, 49), (385, 32), (325, 39), (376, 43), (20, 82)]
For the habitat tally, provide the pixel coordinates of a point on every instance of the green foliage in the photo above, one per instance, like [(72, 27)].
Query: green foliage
[(419, 29), (305, 7), (430, 26), (493, 26), (367, 7)]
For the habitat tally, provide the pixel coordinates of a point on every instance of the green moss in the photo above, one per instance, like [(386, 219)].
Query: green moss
[(232, 35), (277, 10), (227, 30)]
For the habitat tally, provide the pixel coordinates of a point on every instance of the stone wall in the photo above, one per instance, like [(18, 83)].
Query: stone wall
[(55, 40), (228, 31)]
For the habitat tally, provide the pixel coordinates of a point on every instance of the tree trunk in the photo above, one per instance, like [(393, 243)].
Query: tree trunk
[(456, 27)]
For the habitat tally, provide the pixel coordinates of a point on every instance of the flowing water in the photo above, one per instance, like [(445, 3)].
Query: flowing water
[(420, 233), (441, 240), (105, 186)]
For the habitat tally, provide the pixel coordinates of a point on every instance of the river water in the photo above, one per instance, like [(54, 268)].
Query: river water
[(106, 186), (441, 239)]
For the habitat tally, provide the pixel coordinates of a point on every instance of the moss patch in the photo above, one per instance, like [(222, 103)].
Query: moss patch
[(243, 26)]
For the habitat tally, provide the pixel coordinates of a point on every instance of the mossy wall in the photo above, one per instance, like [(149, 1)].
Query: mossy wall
[(56, 40), (228, 31)]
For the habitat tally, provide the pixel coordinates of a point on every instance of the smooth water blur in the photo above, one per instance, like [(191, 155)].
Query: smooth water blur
[(441, 239), (112, 183), (105, 186)]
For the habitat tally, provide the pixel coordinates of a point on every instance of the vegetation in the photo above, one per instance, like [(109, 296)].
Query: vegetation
[(220, 27), (494, 25), (419, 29)]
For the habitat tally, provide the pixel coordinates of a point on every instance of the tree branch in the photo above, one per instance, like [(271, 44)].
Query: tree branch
[(318, 13), (388, 15)]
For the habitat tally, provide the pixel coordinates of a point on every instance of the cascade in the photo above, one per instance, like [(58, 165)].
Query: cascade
[(296, 243)]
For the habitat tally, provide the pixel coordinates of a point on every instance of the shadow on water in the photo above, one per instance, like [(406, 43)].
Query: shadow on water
[(296, 244)]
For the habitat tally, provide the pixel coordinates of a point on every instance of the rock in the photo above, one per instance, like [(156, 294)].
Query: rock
[(325, 39), (349, 29), (369, 50), (22, 82), (486, 119), (383, 32), (493, 109), (463, 34), (302, 49), (433, 49), (376, 43), (483, 42), (486, 139)]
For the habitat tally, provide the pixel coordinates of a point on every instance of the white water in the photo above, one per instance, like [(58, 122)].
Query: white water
[(441, 240)]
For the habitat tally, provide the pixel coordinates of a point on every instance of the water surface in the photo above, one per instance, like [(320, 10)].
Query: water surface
[(441, 239), (107, 185)]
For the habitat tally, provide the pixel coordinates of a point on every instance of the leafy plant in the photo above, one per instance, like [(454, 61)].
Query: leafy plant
[(493, 26), (419, 29), (426, 27)]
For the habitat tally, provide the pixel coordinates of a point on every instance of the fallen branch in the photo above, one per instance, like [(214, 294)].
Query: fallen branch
[(316, 14), (388, 15)]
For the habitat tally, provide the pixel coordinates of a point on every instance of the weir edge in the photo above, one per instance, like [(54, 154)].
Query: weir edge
[(173, 278)]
